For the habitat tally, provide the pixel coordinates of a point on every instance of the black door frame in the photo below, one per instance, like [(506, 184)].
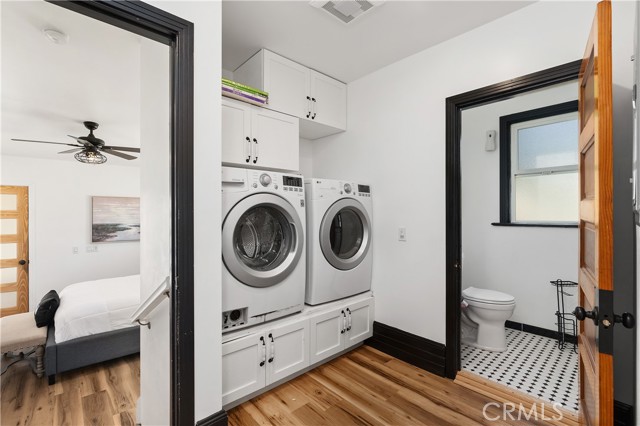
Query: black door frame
[(454, 107), (156, 24)]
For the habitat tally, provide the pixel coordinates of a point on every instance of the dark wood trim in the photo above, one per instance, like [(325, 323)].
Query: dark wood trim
[(622, 414), (539, 331), (536, 225), (217, 419), (415, 350), (454, 106), (505, 153), (156, 24)]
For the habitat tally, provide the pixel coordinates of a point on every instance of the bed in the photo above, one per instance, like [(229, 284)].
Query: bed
[(92, 324)]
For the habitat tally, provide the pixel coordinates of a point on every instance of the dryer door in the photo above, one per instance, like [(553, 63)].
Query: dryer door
[(262, 240), (345, 234)]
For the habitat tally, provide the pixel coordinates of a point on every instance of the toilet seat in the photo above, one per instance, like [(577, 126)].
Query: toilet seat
[(485, 296)]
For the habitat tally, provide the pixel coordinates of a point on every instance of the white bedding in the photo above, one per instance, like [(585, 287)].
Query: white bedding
[(93, 307)]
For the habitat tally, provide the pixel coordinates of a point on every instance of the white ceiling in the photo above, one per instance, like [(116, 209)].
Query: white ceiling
[(48, 90), (379, 37)]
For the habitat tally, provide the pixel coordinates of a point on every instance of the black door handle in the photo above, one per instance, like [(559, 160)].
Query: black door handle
[(22, 262), (581, 314), (626, 319)]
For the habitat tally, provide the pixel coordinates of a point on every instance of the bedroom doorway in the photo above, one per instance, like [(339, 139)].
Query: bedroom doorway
[(14, 250), (165, 126)]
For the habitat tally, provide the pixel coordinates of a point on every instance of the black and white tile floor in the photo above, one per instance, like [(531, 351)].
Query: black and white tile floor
[(532, 364)]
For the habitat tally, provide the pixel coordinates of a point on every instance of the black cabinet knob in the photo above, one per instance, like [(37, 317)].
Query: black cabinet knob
[(22, 262)]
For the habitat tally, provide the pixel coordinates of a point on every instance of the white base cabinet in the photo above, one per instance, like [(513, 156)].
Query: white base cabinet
[(258, 137), (273, 352), (319, 101), (336, 330), (250, 363)]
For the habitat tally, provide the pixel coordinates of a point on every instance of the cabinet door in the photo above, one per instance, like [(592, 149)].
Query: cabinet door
[(326, 332), (330, 107), (287, 350), (236, 128), (275, 140), (242, 373), (359, 322), (287, 84)]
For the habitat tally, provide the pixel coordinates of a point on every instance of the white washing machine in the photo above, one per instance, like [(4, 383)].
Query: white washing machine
[(263, 246), (339, 257)]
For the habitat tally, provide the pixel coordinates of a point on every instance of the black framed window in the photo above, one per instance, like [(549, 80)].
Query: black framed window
[(539, 167)]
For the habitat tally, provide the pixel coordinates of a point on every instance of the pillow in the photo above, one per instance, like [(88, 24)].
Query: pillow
[(47, 309)]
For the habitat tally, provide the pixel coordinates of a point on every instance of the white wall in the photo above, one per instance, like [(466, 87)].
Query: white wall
[(306, 157), (60, 194), (207, 263), (516, 260), (396, 141)]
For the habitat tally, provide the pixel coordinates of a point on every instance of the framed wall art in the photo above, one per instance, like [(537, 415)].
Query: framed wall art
[(115, 219)]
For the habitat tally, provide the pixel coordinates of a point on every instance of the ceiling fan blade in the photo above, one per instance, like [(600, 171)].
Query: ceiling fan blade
[(82, 141), (69, 151), (119, 154), (122, 148), (52, 143)]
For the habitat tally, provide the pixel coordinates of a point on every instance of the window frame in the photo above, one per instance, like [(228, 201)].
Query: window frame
[(507, 155)]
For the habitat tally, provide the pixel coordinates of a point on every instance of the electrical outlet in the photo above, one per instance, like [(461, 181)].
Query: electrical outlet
[(74, 250), (402, 234), (92, 249)]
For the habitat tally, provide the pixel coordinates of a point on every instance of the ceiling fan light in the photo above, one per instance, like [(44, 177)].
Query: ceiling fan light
[(90, 157)]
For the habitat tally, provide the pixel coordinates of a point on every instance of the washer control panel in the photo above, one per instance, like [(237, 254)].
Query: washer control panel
[(364, 190), (265, 179), (277, 182), (292, 183)]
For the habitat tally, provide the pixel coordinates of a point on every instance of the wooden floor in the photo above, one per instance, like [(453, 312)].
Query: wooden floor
[(363, 387), (368, 387), (104, 394)]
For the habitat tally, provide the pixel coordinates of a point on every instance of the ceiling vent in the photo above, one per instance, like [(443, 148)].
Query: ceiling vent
[(345, 10)]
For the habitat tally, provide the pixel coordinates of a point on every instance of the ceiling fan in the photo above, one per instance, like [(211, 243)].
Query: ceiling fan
[(89, 148)]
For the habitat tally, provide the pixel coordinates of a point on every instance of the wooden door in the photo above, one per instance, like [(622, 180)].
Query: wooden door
[(14, 250), (596, 224)]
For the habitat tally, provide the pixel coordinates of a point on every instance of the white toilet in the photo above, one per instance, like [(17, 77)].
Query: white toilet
[(484, 313)]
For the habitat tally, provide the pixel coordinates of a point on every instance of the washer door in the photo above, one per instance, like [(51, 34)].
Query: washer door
[(345, 234), (262, 240)]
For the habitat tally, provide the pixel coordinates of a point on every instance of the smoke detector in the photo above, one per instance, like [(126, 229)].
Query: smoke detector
[(345, 10), (55, 36)]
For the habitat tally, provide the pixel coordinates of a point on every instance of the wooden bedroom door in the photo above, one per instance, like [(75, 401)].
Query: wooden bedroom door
[(14, 250), (595, 340)]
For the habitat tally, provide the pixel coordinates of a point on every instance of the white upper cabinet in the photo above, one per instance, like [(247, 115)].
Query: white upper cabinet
[(329, 100), (257, 137), (287, 83), (318, 100)]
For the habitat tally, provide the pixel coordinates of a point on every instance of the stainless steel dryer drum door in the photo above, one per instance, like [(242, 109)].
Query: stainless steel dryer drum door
[(262, 240), (345, 234)]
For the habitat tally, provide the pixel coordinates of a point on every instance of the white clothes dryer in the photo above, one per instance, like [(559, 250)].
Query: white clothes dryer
[(263, 246), (339, 255)]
